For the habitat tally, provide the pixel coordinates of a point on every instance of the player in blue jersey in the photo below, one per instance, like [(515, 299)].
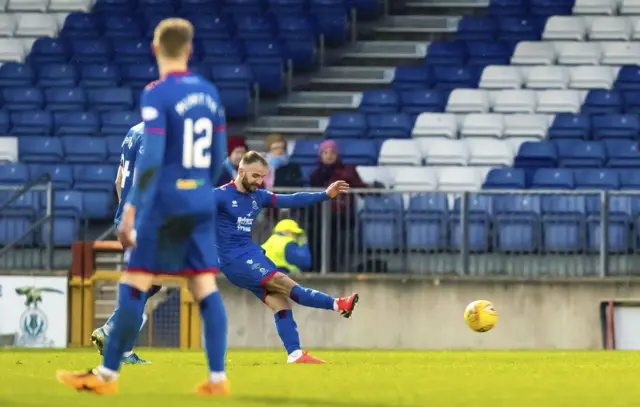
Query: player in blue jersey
[(170, 205), (131, 148), (244, 262)]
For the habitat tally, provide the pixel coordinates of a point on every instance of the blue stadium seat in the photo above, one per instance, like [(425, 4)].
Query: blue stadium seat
[(235, 83), (333, 22), (66, 222), (211, 28), (622, 153), (426, 222), (563, 223), (96, 183), (305, 152), (550, 7), (415, 102), (118, 123), (346, 125), (114, 6), (477, 29), (580, 154), (111, 99), (130, 51), (519, 29), (298, 29), (22, 99), (57, 76), (14, 174), (603, 101), (631, 102), (389, 125), (31, 123), (82, 123), (156, 6), (505, 178), (597, 179), (446, 53), (61, 174), (452, 77), (81, 25), (65, 99), (570, 126), (616, 126), (412, 77), (254, 27), (553, 178), (517, 223), (195, 6), (13, 228), (629, 179), (16, 75), (507, 8), (480, 210), (243, 6), (367, 9), (114, 149), (628, 78), (48, 50), (379, 101), (266, 61), (221, 52), (294, 7), (358, 152), (489, 53), (100, 76), (84, 150), (27, 205), (40, 149), (381, 222), (122, 27), (619, 216), (139, 75), (536, 155), (96, 51)]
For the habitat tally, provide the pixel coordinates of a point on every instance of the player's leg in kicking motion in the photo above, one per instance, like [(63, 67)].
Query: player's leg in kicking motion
[(100, 335)]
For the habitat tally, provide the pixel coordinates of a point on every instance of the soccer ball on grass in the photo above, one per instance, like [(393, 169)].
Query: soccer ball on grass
[(481, 316)]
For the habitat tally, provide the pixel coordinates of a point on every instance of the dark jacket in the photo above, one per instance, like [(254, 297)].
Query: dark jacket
[(324, 175)]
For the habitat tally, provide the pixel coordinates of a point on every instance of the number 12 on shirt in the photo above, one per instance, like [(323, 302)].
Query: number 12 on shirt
[(196, 153)]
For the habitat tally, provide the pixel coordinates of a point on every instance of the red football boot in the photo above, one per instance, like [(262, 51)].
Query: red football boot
[(346, 305), (306, 358)]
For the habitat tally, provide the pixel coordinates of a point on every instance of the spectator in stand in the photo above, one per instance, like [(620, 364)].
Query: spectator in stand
[(282, 172), (236, 147), (343, 217)]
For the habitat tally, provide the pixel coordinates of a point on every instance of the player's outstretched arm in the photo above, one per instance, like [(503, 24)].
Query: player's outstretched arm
[(301, 199)]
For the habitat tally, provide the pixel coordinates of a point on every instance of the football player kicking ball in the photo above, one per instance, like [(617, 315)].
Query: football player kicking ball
[(244, 263)]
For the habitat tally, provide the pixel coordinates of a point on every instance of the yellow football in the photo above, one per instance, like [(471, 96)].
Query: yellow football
[(481, 316)]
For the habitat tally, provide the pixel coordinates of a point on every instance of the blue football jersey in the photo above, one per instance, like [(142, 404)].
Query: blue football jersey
[(236, 212), (131, 148), (185, 130)]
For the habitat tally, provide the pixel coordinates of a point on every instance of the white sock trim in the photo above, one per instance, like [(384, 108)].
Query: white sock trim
[(335, 305), (295, 355), (216, 377), (105, 374), (127, 354)]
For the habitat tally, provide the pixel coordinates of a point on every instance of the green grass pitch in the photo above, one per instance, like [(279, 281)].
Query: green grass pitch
[(351, 379)]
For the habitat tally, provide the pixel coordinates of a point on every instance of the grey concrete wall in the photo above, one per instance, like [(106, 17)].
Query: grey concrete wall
[(426, 313)]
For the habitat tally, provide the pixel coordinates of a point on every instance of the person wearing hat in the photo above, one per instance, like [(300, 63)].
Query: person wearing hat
[(236, 147), (287, 248)]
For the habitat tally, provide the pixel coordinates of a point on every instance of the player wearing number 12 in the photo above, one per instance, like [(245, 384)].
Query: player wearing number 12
[(170, 206)]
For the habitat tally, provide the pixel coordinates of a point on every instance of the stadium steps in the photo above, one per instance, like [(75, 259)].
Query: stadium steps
[(443, 7), (319, 103), (353, 78), (297, 126), (417, 28)]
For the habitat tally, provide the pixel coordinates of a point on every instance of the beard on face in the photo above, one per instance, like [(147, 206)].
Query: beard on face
[(247, 185)]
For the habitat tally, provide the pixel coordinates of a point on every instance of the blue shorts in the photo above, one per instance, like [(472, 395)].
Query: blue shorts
[(181, 246), (250, 271)]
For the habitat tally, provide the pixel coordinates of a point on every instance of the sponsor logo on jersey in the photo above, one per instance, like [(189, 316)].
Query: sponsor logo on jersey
[(244, 224)]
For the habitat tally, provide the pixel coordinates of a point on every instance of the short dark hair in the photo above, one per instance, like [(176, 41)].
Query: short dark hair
[(252, 157)]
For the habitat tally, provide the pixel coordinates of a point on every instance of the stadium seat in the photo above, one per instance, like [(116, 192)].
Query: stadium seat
[(8, 150), (99, 76), (517, 223), (628, 78), (579, 53), (96, 183), (358, 152), (66, 221), (399, 152), (553, 178), (76, 123), (602, 101), (36, 25), (31, 123), (563, 223), (84, 150), (536, 155), (412, 77), (489, 152), (480, 210), (14, 174), (452, 77), (389, 125), (501, 77), (415, 102), (372, 174), (620, 53), (488, 53), (616, 126), (592, 77), (57, 76), (61, 174), (458, 179), (109, 100), (40, 149), (580, 154), (564, 28), (548, 77), (515, 101), (444, 152), (619, 221), (570, 126), (22, 99), (114, 149), (468, 101), (622, 153), (426, 222), (505, 178), (65, 99), (379, 101), (608, 28), (381, 222), (526, 126), (446, 53), (267, 63), (482, 125), (436, 125), (346, 125), (534, 53), (118, 123), (413, 179), (559, 101), (306, 152), (476, 29), (15, 74)]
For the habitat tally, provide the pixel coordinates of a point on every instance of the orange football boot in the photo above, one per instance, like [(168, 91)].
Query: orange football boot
[(209, 388), (306, 358), (346, 305), (88, 381)]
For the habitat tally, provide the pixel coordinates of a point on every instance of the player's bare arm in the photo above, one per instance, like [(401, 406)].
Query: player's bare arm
[(119, 183), (337, 188)]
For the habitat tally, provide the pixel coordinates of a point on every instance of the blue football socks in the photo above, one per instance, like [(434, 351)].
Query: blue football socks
[(125, 325), (214, 318), (288, 330), (311, 298)]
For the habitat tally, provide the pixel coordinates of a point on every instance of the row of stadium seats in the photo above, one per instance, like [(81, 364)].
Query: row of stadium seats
[(44, 123), (561, 7), (575, 28), (509, 223), (562, 178), (577, 153)]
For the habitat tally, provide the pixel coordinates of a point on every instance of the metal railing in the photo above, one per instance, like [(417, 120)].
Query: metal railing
[(28, 227)]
